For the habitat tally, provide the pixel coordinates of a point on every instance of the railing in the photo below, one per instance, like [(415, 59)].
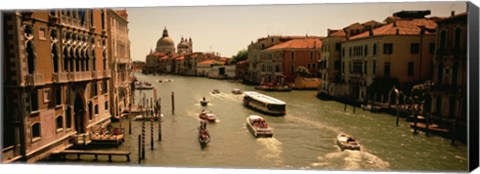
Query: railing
[(34, 79), (107, 73), (60, 77)]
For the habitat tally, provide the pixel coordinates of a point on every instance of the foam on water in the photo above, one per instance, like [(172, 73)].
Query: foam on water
[(350, 160), (271, 151)]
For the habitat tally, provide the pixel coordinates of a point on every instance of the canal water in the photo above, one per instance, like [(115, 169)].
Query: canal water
[(303, 139)]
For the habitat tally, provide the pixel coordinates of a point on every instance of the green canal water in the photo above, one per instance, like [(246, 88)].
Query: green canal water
[(303, 139)]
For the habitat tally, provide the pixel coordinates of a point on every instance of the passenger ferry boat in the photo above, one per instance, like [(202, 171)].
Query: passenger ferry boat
[(264, 103)]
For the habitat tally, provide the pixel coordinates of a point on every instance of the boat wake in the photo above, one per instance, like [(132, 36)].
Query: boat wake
[(271, 151), (312, 123), (350, 160)]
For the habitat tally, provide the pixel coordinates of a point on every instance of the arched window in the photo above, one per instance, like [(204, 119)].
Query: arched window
[(68, 116), (55, 58), (457, 38), (94, 66), (30, 57), (59, 122), (71, 60), (442, 40), (36, 132), (104, 59), (77, 60), (90, 110), (65, 59)]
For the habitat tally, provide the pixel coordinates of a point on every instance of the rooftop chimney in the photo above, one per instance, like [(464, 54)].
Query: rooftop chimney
[(453, 13), (394, 23), (398, 31), (370, 32)]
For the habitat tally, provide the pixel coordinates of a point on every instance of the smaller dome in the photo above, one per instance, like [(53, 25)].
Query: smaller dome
[(182, 45)]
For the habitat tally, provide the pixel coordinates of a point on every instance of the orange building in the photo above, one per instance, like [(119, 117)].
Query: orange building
[(278, 63), (55, 80)]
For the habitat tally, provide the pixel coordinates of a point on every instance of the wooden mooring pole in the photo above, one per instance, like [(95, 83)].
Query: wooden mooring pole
[(143, 128), (130, 119), (173, 103), (139, 148), (159, 104), (151, 126)]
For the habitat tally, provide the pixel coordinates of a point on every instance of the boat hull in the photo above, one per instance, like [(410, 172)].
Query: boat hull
[(345, 145)]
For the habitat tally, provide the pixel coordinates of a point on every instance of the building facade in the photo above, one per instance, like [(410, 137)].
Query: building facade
[(330, 64), (402, 49), (119, 60), (278, 64), (448, 96), (55, 79)]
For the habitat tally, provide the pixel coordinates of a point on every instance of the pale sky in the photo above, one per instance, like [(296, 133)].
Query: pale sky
[(228, 29)]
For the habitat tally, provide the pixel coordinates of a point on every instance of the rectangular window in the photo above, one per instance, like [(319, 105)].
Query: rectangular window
[(388, 48), (41, 34), (414, 48), (104, 86), (292, 56), (343, 52), (343, 67), (431, 48), (337, 65), (34, 100), (106, 105), (58, 96), (94, 89), (365, 67), (292, 69), (350, 52), (386, 69), (96, 109), (46, 95), (410, 69), (374, 67), (337, 47)]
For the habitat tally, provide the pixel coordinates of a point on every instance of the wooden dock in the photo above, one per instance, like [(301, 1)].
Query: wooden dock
[(96, 153)]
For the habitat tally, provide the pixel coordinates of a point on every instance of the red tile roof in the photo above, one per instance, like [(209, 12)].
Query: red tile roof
[(404, 26), (157, 54), (339, 33), (208, 62), (298, 44)]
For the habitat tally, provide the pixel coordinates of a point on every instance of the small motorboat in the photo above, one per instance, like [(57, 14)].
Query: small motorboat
[(143, 85), (237, 91), (160, 81), (345, 141), (204, 101), (207, 116), (215, 91), (258, 126)]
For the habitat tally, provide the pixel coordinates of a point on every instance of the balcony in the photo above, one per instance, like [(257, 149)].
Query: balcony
[(107, 73), (82, 76), (34, 79), (60, 77), (71, 76)]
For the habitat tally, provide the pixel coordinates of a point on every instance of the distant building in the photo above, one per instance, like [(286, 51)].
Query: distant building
[(163, 59), (241, 69), (278, 64), (55, 79), (254, 53)]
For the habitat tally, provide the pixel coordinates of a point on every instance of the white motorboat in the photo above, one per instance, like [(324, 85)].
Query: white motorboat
[(258, 126), (345, 141)]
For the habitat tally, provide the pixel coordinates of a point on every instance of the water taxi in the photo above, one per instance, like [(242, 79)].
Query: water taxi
[(264, 103), (258, 126), (237, 91), (345, 141)]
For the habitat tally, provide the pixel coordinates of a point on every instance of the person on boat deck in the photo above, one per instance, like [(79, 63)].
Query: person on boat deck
[(204, 99)]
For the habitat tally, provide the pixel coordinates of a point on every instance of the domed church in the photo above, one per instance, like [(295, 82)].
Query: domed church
[(165, 44)]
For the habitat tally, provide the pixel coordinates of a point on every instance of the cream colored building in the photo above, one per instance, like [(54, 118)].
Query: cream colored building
[(400, 49), (330, 63), (119, 60)]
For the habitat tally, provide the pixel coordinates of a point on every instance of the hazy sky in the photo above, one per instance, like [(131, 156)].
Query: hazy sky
[(228, 29)]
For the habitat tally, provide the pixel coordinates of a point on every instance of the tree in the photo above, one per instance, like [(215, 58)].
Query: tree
[(241, 55), (302, 71)]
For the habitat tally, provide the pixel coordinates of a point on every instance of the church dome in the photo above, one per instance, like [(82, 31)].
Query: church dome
[(183, 44), (165, 44), (165, 41)]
